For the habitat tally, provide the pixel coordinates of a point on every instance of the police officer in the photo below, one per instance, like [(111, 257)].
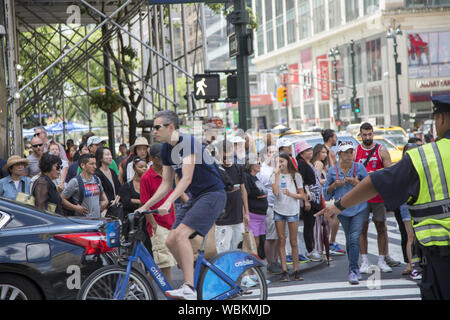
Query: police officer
[(422, 179)]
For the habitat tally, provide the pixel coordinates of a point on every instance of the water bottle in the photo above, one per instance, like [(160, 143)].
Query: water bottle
[(283, 182)]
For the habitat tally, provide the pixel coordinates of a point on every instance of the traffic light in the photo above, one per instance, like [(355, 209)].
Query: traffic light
[(282, 94), (356, 107)]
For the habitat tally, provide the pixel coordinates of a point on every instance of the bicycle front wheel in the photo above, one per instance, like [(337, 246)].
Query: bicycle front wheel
[(252, 283), (104, 284)]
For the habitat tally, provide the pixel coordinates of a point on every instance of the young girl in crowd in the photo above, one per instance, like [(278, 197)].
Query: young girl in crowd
[(287, 186)]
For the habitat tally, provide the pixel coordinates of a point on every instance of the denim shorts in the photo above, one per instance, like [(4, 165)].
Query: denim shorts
[(279, 217)]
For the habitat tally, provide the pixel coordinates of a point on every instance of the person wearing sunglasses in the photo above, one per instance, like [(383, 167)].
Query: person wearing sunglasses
[(37, 146), (41, 133), (44, 191), (184, 156)]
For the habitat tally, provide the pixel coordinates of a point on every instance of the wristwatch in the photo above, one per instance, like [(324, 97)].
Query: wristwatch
[(339, 205)]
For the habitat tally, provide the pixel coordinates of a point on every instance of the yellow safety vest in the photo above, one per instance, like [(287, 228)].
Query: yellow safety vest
[(430, 213)]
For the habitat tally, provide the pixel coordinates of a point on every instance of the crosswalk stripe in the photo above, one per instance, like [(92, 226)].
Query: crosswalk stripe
[(408, 289)]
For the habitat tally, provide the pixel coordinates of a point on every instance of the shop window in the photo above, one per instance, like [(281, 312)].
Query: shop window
[(304, 19), (334, 13), (319, 15), (373, 54)]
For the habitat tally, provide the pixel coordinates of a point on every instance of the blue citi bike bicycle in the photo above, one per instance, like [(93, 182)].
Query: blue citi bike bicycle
[(224, 277)]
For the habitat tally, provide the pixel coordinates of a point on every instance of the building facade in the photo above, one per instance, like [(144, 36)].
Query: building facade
[(293, 43)]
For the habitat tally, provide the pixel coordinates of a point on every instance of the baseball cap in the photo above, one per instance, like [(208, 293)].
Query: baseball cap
[(344, 146), (155, 150), (94, 140)]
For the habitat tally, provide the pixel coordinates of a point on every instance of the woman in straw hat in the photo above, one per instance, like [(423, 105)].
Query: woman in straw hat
[(16, 182), (140, 149)]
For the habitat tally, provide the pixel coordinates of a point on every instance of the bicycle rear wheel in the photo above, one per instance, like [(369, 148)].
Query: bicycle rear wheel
[(102, 284), (252, 283)]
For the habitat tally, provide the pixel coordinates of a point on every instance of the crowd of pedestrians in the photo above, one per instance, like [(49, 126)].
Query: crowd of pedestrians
[(273, 191)]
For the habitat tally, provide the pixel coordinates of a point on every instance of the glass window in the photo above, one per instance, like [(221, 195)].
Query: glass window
[(319, 15), (371, 6), (426, 3), (334, 13), (351, 10), (375, 101), (304, 19), (373, 56), (324, 110), (260, 36), (290, 21), (429, 54), (280, 25), (269, 25), (309, 111)]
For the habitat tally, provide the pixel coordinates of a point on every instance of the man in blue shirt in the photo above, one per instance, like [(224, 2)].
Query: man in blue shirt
[(183, 155)]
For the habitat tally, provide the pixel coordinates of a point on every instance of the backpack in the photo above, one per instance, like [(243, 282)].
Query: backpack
[(223, 175), (81, 190)]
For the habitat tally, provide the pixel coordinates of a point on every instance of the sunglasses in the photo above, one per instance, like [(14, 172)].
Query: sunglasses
[(343, 143), (157, 127), (37, 145), (58, 167)]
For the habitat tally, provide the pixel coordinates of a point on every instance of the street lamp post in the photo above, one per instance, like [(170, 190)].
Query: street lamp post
[(334, 52), (392, 34)]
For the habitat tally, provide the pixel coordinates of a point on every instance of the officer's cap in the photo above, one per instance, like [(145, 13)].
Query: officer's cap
[(441, 103)]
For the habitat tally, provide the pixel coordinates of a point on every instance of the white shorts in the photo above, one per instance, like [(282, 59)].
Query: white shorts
[(228, 237)]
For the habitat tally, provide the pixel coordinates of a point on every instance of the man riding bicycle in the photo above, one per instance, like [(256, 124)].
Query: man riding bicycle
[(185, 156)]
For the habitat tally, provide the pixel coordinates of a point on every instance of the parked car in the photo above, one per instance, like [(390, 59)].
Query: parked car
[(47, 256)]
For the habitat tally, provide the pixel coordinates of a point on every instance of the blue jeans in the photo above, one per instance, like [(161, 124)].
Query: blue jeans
[(352, 228)]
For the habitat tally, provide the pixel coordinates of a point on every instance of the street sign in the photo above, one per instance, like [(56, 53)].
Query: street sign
[(233, 45), (339, 91), (206, 86)]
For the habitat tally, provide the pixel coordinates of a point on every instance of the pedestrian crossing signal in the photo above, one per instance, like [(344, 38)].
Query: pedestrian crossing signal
[(282, 94)]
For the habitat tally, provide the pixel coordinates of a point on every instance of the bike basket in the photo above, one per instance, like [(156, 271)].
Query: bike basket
[(113, 234)]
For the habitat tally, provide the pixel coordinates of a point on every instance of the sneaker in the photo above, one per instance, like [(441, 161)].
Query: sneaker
[(289, 259), (364, 268), (274, 268), (297, 276), (285, 277), (358, 274), (336, 250), (353, 278), (314, 256), (302, 259), (248, 282), (183, 293), (416, 274), (384, 267), (391, 262)]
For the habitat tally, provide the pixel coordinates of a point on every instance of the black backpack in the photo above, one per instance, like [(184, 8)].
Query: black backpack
[(81, 190), (223, 175)]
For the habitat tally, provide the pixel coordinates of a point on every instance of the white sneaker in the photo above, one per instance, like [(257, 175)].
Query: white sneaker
[(383, 266), (364, 267), (183, 293), (314, 256)]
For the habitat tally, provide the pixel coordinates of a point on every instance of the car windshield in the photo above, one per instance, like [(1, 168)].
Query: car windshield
[(385, 143), (398, 140)]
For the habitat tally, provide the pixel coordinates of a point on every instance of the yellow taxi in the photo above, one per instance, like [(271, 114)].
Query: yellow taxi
[(394, 152)]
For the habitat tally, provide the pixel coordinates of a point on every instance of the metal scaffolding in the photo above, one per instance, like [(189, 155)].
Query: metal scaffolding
[(56, 54)]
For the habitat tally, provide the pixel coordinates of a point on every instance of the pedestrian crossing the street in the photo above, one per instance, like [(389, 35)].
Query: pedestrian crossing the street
[(332, 283)]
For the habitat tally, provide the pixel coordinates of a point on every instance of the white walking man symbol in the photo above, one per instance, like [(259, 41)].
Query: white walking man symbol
[(201, 86)]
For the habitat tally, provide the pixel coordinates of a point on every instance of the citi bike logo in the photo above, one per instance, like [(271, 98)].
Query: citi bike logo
[(158, 276), (243, 263)]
